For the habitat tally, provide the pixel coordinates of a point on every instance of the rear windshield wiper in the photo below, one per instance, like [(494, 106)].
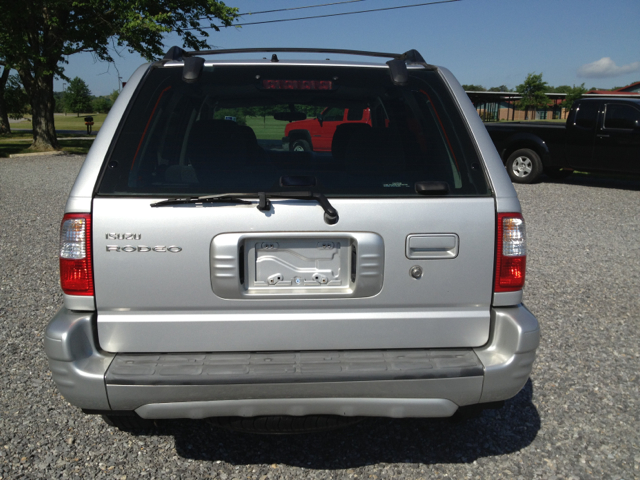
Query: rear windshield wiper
[(221, 198), (330, 213)]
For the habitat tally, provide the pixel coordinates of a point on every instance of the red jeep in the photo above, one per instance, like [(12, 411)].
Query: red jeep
[(316, 134)]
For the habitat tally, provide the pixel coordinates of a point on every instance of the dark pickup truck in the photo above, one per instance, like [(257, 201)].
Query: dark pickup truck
[(601, 135)]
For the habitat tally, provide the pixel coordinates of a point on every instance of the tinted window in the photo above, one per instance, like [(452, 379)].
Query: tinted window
[(220, 135), (586, 115), (355, 114), (621, 116), (333, 114)]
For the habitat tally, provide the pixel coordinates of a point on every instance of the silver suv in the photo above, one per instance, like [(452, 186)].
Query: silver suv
[(212, 271)]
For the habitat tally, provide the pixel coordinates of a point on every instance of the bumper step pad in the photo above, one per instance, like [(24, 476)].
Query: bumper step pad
[(291, 367)]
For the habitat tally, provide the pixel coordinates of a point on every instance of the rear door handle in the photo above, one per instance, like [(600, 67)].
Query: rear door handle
[(601, 135), (432, 246)]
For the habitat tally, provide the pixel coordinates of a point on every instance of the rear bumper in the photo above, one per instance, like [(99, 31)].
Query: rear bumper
[(434, 385)]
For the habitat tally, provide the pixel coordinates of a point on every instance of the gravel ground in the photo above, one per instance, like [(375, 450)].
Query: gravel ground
[(576, 418)]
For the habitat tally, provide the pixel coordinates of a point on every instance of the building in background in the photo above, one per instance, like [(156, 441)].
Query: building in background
[(633, 89), (503, 106)]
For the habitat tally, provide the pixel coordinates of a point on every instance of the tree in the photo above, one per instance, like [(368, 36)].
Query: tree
[(473, 88), (13, 100), (36, 37), (573, 94), (5, 127), (77, 98), (264, 111), (58, 98), (533, 93), (113, 96), (501, 88), (101, 105)]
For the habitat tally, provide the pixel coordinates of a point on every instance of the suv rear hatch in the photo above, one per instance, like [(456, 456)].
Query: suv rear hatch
[(209, 236)]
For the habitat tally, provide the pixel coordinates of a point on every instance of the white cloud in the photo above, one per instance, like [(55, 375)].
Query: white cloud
[(605, 67)]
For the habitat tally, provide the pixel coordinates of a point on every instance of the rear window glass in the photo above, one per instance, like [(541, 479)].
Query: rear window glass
[(229, 133)]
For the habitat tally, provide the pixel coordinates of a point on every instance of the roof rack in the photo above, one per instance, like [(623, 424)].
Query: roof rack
[(193, 62)]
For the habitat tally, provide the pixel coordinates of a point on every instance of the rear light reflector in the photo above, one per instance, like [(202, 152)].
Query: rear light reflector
[(511, 253), (76, 269)]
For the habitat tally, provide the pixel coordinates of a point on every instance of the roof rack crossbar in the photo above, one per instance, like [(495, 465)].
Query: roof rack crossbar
[(411, 56), (193, 61)]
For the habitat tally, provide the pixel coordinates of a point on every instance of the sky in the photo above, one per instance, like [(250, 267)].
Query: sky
[(483, 42)]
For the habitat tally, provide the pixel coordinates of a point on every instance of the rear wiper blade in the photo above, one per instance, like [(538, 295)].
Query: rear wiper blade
[(330, 213), (219, 198)]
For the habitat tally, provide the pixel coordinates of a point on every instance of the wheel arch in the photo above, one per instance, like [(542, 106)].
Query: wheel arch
[(526, 140), (300, 135)]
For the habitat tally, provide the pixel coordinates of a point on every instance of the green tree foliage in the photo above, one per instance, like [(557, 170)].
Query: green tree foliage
[(58, 98), (14, 102), (238, 114), (5, 127), (113, 96), (264, 111), (37, 36), (560, 89), (310, 110), (101, 104), (16, 99), (474, 88), (533, 91), (501, 88), (573, 94), (77, 97)]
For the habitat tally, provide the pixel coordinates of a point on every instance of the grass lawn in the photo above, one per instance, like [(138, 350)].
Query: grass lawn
[(71, 122), (68, 122), (20, 142), (268, 129)]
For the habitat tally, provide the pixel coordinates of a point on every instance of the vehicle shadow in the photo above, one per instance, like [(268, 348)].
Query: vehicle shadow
[(376, 440), (620, 182)]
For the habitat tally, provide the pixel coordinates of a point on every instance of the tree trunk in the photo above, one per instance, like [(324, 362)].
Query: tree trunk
[(5, 126), (40, 91)]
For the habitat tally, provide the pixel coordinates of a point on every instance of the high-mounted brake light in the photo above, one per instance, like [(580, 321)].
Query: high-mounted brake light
[(511, 253), (76, 269), (297, 84)]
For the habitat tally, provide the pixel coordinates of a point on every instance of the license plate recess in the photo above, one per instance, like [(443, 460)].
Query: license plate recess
[(297, 264), (310, 263)]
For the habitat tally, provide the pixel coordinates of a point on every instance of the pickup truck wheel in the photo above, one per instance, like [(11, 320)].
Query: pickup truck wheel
[(283, 424), (524, 166), (558, 173), (301, 146)]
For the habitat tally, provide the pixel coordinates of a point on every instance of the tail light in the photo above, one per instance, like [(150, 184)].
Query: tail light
[(511, 253), (76, 269)]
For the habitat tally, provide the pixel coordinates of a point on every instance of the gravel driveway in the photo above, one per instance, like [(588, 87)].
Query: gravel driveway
[(578, 416)]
